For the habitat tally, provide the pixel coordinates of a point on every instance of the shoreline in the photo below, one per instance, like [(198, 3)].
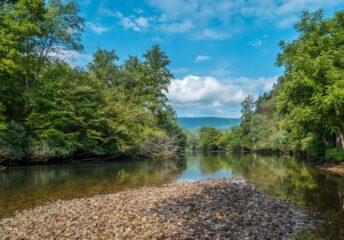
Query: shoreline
[(332, 168), (211, 209)]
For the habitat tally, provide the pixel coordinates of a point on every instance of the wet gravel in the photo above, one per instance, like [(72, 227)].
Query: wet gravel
[(212, 209)]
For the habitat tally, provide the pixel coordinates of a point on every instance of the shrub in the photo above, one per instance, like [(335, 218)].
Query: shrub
[(12, 141), (313, 146), (335, 154)]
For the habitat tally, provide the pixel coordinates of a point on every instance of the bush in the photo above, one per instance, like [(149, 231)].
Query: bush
[(313, 146), (12, 141), (158, 144), (335, 154), (209, 138)]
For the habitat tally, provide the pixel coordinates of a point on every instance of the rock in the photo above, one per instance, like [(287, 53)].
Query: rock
[(213, 209)]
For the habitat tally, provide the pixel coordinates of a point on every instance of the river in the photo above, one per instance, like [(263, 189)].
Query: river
[(285, 178)]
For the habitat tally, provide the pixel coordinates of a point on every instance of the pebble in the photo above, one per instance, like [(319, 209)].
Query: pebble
[(212, 209)]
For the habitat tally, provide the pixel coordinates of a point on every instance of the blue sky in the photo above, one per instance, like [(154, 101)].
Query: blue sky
[(220, 50)]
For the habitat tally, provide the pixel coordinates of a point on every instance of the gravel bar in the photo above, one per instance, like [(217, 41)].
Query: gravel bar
[(212, 209)]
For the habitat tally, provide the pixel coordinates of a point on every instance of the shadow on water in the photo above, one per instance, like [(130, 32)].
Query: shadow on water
[(286, 178), (27, 187)]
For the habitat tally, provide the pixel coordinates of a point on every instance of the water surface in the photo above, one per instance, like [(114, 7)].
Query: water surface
[(287, 178)]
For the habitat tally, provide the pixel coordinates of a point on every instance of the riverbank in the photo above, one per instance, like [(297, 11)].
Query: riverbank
[(198, 210), (333, 168)]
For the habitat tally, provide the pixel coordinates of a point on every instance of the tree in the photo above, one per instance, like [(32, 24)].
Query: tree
[(31, 33), (60, 111), (49, 109), (103, 66), (246, 112), (157, 78), (52, 28), (247, 108), (209, 138), (311, 97), (131, 77)]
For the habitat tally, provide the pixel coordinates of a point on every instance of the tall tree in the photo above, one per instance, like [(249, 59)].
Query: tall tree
[(132, 76), (247, 111), (157, 78), (311, 97), (103, 66), (31, 33)]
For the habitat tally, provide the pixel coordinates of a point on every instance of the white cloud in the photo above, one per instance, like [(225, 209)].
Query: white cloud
[(230, 16), (215, 19), (142, 22), (220, 72), (108, 12), (181, 70), (138, 10), (209, 91), (256, 43), (196, 91), (136, 22), (287, 22), (212, 34), (74, 58), (175, 7), (97, 27), (128, 23), (201, 58), (209, 94), (176, 27)]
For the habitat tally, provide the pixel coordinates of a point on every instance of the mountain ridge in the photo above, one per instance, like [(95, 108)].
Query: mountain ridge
[(215, 122)]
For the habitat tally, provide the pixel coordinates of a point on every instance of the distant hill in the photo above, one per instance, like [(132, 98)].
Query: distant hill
[(215, 122)]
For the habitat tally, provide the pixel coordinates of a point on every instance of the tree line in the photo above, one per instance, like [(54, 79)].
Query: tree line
[(50, 110), (304, 112)]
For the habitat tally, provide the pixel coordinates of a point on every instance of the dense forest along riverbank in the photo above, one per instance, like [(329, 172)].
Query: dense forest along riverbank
[(210, 209), (285, 178)]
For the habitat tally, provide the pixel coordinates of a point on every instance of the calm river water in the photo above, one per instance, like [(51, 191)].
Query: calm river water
[(287, 178)]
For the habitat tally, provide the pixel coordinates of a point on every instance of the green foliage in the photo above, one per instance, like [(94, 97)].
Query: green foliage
[(209, 138), (2, 118), (231, 140), (63, 111), (103, 66), (156, 79), (50, 110), (335, 154), (247, 112), (13, 140), (192, 141), (313, 146), (311, 97), (304, 111)]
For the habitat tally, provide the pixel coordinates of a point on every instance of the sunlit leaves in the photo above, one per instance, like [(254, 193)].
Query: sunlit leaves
[(311, 97)]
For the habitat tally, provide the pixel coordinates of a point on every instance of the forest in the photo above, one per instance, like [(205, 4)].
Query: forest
[(113, 160), (50, 110), (304, 112)]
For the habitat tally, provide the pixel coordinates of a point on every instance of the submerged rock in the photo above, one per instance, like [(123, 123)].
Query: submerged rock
[(213, 209)]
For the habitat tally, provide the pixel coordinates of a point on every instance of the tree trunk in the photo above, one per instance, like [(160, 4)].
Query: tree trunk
[(340, 133), (27, 72), (340, 140)]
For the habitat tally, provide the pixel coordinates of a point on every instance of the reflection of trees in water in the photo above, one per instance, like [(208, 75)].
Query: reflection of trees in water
[(280, 175), (31, 186), (288, 179)]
